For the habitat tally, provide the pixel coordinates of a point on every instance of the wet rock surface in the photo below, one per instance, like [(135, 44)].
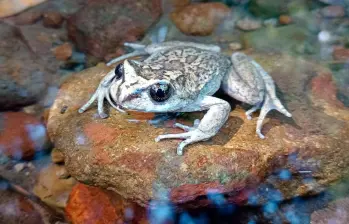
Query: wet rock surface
[(92, 204), (200, 18), (115, 22), (123, 156)]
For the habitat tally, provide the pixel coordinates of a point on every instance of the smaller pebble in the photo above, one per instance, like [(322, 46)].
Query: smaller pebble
[(78, 57), (3, 159), (270, 22), (57, 156), (341, 53), (62, 173), (19, 167), (63, 52), (28, 18), (333, 11), (285, 20), (31, 166), (248, 24), (53, 19), (235, 46)]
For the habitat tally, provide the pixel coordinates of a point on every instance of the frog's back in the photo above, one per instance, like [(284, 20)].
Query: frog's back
[(191, 71)]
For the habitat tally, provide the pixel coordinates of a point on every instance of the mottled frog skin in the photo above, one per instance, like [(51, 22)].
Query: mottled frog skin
[(182, 77)]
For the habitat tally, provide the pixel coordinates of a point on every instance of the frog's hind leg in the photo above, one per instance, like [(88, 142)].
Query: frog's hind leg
[(271, 101)]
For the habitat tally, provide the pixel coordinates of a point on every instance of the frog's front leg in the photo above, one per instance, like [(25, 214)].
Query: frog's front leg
[(100, 94), (214, 119)]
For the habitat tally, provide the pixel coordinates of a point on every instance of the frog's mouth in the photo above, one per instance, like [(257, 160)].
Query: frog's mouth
[(114, 104), (130, 97)]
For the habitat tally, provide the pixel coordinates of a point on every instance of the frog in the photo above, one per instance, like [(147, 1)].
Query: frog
[(181, 76)]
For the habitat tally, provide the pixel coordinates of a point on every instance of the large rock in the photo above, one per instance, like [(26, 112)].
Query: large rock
[(122, 156), (101, 27), (23, 79)]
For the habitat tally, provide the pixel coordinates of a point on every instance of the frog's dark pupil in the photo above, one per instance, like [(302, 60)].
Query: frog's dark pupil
[(160, 92), (119, 71)]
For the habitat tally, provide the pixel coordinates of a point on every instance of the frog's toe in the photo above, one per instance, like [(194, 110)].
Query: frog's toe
[(190, 137), (188, 128), (259, 133), (181, 146), (135, 46), (169, 136), (103, 115)]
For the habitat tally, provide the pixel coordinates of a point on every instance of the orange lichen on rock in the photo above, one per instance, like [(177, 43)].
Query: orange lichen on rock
[(100, 133)]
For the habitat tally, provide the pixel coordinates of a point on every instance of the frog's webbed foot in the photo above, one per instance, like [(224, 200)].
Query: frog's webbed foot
[(253, 109), (268, 105), (216, 116), (271, 101), (100, 94), (195, 135), (188, 128)]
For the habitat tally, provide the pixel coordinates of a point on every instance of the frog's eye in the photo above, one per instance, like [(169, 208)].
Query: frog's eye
[(119, 71), (160, 92)]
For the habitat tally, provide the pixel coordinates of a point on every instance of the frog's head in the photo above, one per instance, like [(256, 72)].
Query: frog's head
[(135, 92)]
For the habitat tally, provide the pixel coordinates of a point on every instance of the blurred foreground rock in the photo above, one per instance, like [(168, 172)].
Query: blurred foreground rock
[(22, 135), (93, 205), (16, 208), (123, 156)]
